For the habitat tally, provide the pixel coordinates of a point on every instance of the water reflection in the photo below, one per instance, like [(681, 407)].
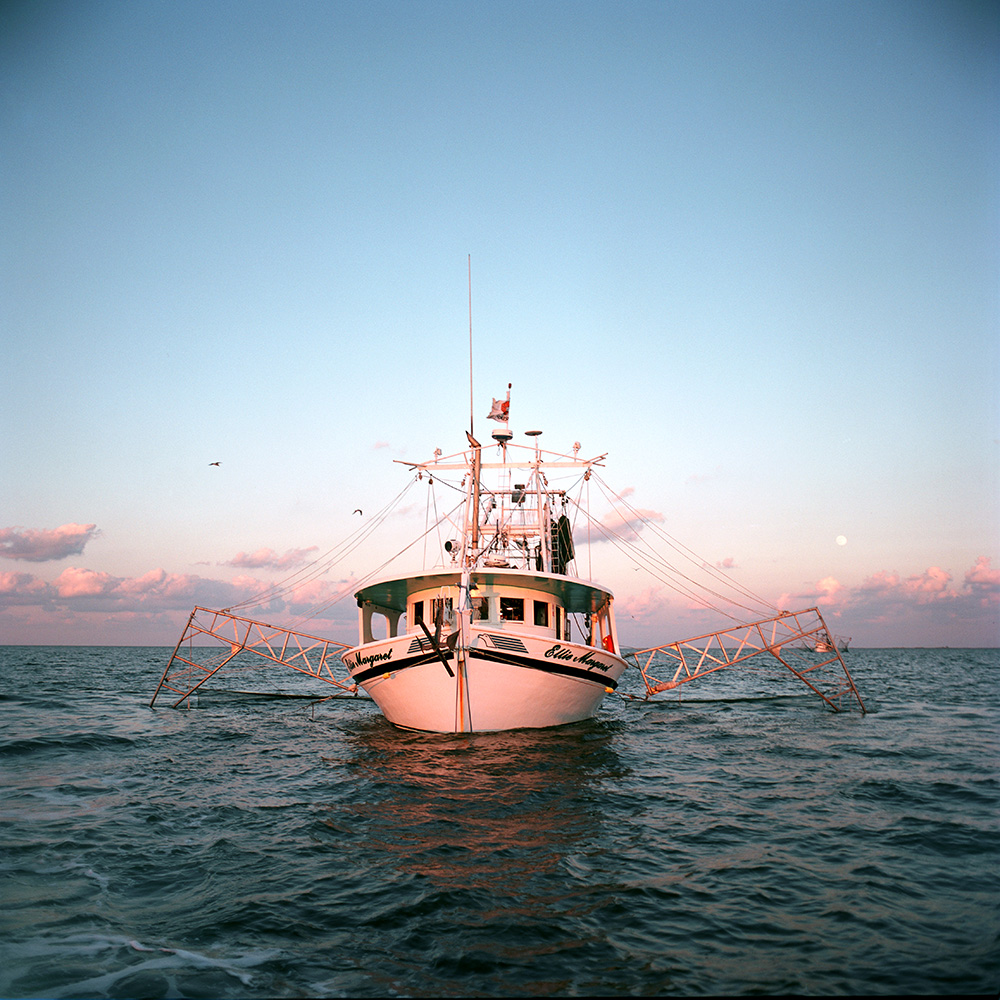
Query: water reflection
[(480, 811)]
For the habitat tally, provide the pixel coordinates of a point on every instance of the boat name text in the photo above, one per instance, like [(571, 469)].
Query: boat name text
[(361, 661), (558, 652)]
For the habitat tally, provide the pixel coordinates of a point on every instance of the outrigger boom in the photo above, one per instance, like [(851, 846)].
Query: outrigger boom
[(686, 660), (191, 666), (694, 658)]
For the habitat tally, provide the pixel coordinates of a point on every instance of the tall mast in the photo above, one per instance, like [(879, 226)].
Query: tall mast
[(477, 451), (477, 458), (472, 429)]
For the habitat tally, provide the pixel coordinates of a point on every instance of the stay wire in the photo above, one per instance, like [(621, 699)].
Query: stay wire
[(655, 564), (325, 562), (688, 553), (642, 560), (362, 581)]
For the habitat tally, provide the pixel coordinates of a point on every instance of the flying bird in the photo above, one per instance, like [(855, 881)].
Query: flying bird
[(215, 463), (358, 511)]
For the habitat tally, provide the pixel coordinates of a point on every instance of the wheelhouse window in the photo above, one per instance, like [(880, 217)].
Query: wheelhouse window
[(541, 613), (512, 609), (480, 609), (444, 608), (418, 612)]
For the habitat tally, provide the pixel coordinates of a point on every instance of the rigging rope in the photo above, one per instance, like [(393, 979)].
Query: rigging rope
[(355, 585), (650, 559), (323, 563), (637, 549)]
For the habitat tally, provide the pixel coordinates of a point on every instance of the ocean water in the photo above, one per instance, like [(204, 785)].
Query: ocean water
[(741, 839)]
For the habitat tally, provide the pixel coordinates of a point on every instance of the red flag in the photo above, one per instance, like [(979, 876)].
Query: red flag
[(501, 408)]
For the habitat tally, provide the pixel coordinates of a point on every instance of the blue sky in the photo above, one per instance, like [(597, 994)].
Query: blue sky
[(748, 249)]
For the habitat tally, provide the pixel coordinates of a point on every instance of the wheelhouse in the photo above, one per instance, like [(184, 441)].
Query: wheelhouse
[(541, 604)]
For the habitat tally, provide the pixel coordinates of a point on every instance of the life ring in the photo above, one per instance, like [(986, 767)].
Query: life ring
[(608, 643)]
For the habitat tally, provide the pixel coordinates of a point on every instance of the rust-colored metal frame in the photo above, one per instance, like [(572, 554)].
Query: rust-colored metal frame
[(307, 654), (802, 631)]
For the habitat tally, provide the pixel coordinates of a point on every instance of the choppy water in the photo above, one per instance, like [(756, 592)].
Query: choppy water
[(743, 840)]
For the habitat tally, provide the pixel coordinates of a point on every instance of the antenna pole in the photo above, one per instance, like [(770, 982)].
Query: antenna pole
[(471, 404)]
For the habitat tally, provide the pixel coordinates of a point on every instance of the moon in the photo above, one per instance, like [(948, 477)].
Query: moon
[(841, 539)]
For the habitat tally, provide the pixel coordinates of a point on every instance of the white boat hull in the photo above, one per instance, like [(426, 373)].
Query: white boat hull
[(489, 689)]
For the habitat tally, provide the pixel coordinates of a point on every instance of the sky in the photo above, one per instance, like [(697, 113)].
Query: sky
[(750, 250)]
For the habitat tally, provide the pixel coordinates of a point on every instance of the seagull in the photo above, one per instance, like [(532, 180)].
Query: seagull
[(358, 511), (215, 463)]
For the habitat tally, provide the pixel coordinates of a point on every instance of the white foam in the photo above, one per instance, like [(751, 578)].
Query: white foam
[(165, 959)]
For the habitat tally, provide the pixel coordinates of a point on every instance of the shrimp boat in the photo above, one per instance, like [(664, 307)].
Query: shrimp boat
[(504, 630), (488, 642), (837, 642)]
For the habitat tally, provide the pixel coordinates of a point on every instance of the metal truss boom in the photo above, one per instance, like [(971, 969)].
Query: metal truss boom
[(804, 632), (191, 665)]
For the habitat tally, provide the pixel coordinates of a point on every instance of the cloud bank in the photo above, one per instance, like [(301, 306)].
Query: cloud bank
[(90, 590), (269, 559), (931, 608), (81, 605), (624, 522), (46, 546), (85, 606), (882, 593), (927, 608)]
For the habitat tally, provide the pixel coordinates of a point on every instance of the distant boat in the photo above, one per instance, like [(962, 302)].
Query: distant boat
[(839, 643)]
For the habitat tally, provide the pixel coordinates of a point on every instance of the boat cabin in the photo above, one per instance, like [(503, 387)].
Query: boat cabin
[(528, 604)]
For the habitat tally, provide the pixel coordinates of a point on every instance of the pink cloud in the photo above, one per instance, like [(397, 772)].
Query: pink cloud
[(728, 563), (984, 581), (658, 615), (87, 590), (316, 593), (925, 608), (163, 588), (923, 588), (22, 588), (312, 593), (829, 590), (646, 603), (75, 582), (623, 521), (269, 559), (46, 545), (627, 522), (83, 602)]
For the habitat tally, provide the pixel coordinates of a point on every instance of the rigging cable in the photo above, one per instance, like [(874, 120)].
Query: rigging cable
[(642, 560), (656, 559), (354, 585), (323, 563)]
